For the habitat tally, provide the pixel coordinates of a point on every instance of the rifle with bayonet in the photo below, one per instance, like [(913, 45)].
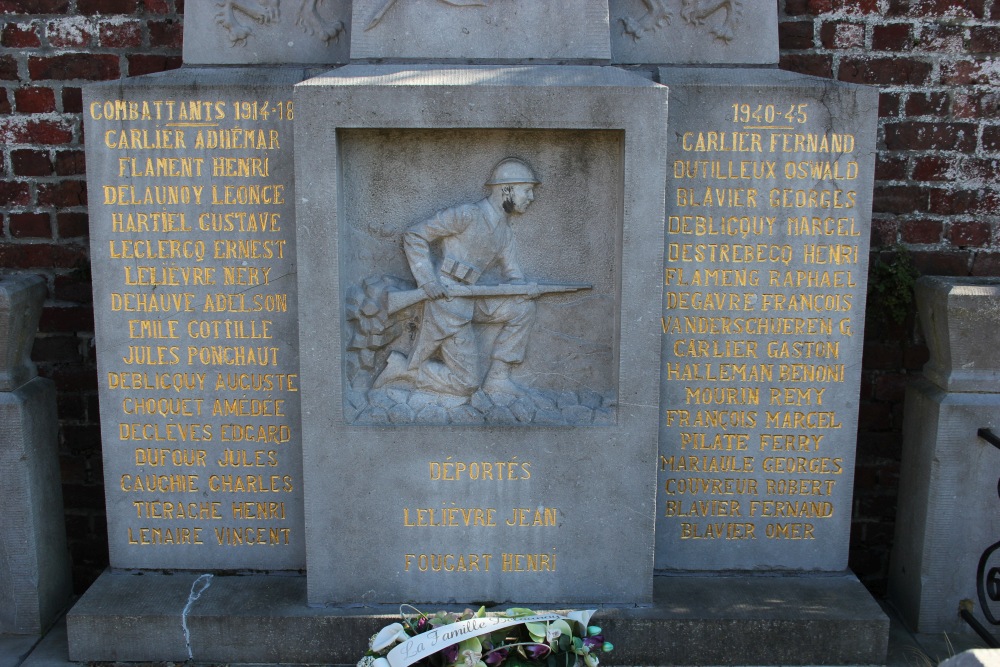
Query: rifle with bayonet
[(406, 298)]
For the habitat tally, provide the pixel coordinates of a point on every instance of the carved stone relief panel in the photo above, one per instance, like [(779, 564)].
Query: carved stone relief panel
[(267, 32), (694, 32), (482, 287), (481, 30)]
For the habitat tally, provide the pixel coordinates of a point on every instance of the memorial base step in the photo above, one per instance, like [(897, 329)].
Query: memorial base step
[(695, 620)]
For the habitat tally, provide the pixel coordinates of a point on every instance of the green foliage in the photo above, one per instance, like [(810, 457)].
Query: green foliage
[(892, 280)]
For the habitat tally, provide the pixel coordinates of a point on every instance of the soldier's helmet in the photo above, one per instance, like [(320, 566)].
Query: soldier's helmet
[(512, 171)]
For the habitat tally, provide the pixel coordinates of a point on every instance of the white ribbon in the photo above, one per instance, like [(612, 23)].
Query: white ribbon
[(427, 643)]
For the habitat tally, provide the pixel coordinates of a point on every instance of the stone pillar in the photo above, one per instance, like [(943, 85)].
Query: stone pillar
[(35, 581), (947, 521)]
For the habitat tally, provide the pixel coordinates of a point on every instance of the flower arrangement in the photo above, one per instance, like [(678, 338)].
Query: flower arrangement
[(517, 637)]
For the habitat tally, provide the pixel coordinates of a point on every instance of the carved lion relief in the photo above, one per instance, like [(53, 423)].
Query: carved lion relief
[(268, 12)]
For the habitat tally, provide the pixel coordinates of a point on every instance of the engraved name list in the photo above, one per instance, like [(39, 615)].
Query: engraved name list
[(194, 276), (763, 301)]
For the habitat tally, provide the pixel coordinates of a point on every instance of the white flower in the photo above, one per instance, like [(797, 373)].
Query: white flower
[(387, 637), (366, 661), (581, 617), (552, 633)]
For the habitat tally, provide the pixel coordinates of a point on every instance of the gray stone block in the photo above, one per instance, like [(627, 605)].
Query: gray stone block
[(191, 195), (253, 32), (21, 300), (790, 620), (381, 149), (480, 30), (959, 319), (35, 583), (768, 215), (947, 521), (694, 32)]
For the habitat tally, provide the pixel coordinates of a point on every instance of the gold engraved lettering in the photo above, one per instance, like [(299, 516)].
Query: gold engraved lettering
[(177, 483), (698, 508), (718, 531), (790, 531), (170, 432), (241, 458), (534, 517), (258, 433), (260, 511), (544, 562), (447, 562), (725, 463), (719, 441), (710, 486), (165, 509), (156, 457), (454, 471), (251, 536), (723, 419), (788, 442), (449, 516), (164, 536), (250, 483)]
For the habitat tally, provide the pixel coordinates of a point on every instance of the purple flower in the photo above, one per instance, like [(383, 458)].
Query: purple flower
[(593, 642), (494, 658), (450, 654), (537, 651)]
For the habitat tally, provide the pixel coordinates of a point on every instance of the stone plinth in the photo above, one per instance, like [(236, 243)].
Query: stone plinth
[(544, 494), (945, 548), (21, 300), (947, 522), (768, 223), (35, 582), (693, 621), (959, 317)]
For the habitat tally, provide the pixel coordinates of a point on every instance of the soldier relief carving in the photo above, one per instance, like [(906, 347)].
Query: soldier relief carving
[(238, 16), (719, 17), (451, 345)]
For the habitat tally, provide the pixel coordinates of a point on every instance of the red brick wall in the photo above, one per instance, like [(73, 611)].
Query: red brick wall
[(937, 193), (937, 190), (48, 49)]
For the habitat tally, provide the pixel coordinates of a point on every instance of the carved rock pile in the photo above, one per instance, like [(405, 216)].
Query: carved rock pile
[(538, 407)]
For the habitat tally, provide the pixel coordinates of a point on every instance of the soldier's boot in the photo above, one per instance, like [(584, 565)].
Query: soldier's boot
[(498, 380), (395, 372)]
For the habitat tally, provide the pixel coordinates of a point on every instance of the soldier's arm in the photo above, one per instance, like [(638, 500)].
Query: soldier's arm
[(417, 242)]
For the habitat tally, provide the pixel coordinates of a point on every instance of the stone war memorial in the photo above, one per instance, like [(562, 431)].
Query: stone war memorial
[(500, 303)]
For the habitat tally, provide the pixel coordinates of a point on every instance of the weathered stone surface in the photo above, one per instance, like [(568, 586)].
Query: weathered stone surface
[(191, 194), (35, 583), (694, 32), (947, 518), (470, 30), (251, 32), (381, 150), (693, 621), (21, 300), (768, 216), (960, 318)]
